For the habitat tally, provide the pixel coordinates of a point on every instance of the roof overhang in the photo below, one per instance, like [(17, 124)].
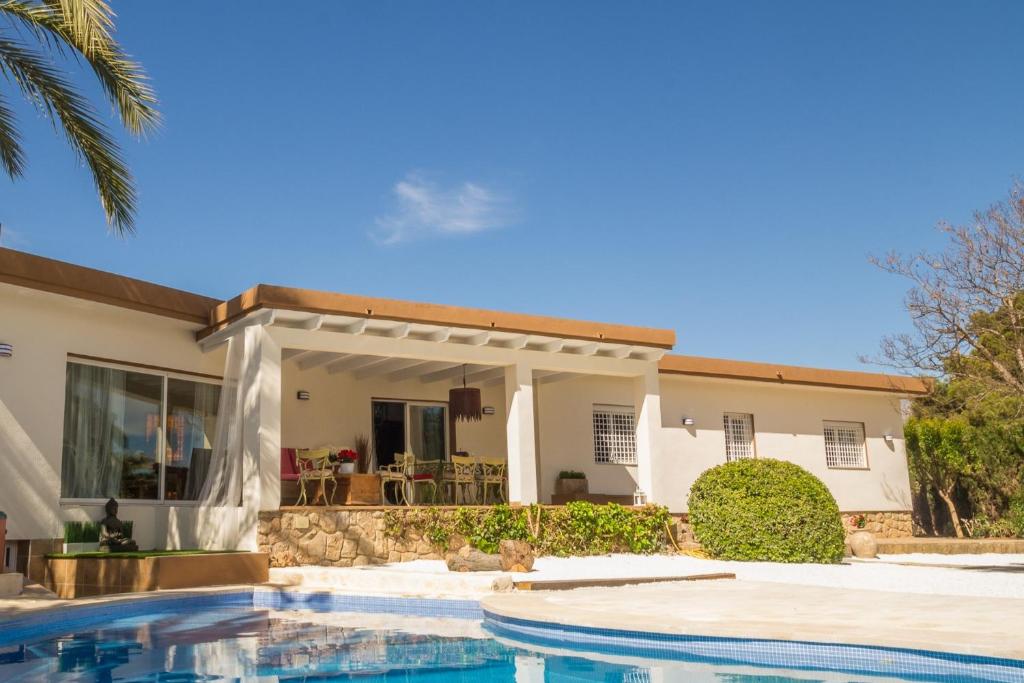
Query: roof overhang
[(296, 306), (58, 277), (721, 368)]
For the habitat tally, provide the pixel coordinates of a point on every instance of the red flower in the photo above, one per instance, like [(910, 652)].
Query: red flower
[(348, 454)]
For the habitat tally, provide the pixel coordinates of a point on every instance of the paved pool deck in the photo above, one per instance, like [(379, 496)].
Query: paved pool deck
[(749, 609)]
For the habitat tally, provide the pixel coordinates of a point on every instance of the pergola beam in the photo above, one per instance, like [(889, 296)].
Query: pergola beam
[(353, 362), (318, 358), (448, 373)]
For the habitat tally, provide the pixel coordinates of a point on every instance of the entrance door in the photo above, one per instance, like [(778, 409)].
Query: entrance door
[(388, 431)]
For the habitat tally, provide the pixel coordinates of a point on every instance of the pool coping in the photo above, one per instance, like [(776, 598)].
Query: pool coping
[(775, 653)]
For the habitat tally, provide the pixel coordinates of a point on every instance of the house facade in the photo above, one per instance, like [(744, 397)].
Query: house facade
[(114, 387)]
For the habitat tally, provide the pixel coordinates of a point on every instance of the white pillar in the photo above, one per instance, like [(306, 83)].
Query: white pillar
[(261, 437), (647, 405), (522, 452)]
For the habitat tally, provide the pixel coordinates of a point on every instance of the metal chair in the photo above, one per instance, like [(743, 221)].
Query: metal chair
[(315, 465), (493, 475), (460, 477), (407, 474)]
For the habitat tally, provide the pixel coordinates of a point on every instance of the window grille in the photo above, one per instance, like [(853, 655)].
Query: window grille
[(844, 445), (614, 435), (739, 436)]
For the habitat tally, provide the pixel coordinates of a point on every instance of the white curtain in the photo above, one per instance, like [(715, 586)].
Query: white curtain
[(94, 435), (223, 485)]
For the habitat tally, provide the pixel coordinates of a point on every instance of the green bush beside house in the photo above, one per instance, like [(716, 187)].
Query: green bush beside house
[(766, 510)]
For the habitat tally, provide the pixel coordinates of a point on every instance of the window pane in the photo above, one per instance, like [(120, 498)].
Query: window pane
[(427, 431), (191, 424), (844, 444), (739, 436), (614, 435), (111, 432)]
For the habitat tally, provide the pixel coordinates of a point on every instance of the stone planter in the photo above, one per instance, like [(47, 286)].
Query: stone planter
[(571, 487), (863, 544)]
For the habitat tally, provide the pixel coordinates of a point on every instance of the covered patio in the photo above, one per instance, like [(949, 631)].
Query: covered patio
[(321, 370)]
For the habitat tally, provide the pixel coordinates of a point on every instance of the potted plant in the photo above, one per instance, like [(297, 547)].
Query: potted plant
[(81, 537), (571, 483), (363, 449), (347, 459)]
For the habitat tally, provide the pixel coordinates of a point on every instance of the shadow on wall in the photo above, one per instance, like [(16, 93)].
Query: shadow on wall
[(29, 487), (896, 494)]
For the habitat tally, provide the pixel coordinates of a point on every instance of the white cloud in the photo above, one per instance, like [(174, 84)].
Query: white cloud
[(424, 209)]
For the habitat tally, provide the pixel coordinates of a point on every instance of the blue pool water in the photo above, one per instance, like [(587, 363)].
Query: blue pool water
[(266, 644)]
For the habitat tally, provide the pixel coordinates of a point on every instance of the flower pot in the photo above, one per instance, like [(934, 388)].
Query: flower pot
[(571, 487), (347, 467), (862, 544)]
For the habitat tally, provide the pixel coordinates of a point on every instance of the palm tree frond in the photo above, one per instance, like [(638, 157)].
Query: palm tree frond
[(47, 88), (86, 27), (12, 158)]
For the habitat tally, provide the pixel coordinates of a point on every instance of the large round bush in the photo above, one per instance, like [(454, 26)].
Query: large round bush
[(767, 510)]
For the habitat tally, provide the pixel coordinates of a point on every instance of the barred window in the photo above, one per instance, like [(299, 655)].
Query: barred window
[(614, 435), (844, 445), (739, 436)]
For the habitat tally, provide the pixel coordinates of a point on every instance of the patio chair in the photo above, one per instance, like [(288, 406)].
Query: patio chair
[(315, 466), (494, 476), (394, 474), (460, 478), (411, 473)]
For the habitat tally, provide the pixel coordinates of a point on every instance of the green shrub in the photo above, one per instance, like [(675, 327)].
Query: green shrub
[(983, 527), (767, 510), (1015, 514), (579, 528)]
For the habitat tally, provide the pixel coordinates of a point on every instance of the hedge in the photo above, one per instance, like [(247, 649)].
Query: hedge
[(767, 510), (578, 528)]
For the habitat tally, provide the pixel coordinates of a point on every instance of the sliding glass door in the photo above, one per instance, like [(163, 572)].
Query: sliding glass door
[(416, 427)]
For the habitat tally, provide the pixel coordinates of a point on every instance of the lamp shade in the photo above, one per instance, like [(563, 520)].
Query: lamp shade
[(465, 404)]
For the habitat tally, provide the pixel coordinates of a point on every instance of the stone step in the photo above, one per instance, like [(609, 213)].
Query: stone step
[(950, 546)]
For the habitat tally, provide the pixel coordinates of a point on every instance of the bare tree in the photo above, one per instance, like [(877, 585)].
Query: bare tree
[(967, 303)]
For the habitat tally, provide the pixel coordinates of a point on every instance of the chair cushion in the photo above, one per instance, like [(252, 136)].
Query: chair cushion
[(422, 476)]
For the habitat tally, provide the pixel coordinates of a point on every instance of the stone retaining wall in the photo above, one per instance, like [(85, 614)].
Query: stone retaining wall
[(883, 524), (349, 537), (336, 537)]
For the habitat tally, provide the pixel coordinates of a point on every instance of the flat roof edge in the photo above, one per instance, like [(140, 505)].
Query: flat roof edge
[(59, 277), (723, 368), (331, 303)]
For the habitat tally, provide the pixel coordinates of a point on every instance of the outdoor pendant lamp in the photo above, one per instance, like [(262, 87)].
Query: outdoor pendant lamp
[(464, 402)]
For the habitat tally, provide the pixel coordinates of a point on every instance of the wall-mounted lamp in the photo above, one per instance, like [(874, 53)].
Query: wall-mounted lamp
[(302, 395), (6, 350), (687, 421), (889, 438), (487, 410), (639, 497)]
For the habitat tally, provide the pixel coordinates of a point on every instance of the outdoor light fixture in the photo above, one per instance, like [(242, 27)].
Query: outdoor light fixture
[(488, 410), (639, 497), (6, 350), (687, 421), (464, 402), (889, 438), (302, 395)]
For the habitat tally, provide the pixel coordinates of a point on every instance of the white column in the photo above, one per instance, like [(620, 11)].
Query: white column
[(261, 437), (647, 404), (522, 452)]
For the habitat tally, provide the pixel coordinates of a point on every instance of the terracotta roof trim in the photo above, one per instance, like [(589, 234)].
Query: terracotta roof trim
[(58, 277), (331, 303), (722, 368)]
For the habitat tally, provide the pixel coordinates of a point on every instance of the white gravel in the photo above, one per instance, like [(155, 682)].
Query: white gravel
[(431, 577)]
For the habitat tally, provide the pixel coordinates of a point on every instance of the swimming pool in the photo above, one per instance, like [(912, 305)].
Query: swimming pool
[(262, 636)]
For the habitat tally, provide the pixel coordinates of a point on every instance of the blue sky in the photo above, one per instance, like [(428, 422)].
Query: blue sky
[(719, 168)]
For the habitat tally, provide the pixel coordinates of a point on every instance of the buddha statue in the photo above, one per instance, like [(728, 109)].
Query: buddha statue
[(114, 534)]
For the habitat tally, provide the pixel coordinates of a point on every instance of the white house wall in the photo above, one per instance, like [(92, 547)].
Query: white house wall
[(44, 328), (788, 423)]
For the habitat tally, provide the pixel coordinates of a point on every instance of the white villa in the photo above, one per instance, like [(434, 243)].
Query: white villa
[(111, 387)]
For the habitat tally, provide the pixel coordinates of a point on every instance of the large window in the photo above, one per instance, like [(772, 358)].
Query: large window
[(739, 436), (844, 445), (614, 435), (115, 443)]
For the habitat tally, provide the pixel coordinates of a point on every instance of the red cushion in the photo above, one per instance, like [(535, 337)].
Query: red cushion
[(289, 470), (421, 477)]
